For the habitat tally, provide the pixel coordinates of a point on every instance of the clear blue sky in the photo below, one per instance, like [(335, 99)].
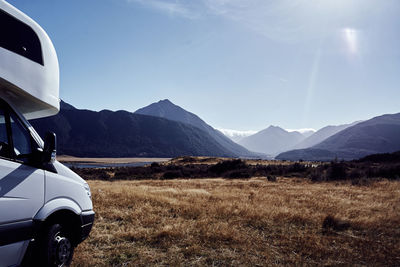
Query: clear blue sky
[(238, 64)]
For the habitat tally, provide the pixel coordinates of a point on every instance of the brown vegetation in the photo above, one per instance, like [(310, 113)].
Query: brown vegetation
[(250, 222), (198, 167)]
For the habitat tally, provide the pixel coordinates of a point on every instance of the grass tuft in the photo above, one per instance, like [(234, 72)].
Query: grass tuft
[(332, 223)]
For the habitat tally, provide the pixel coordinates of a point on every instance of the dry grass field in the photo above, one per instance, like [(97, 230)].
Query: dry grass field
[(247, 222)]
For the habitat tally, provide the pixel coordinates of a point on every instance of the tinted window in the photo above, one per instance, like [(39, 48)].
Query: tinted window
[(21, 137), (4, 147), (19, 38)]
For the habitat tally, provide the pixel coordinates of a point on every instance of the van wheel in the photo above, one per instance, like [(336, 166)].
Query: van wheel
[(57, 247)]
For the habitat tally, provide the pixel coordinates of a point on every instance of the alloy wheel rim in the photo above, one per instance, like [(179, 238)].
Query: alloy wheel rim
[(63, 250)]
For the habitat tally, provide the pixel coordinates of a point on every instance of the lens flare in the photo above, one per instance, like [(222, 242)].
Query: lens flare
[(350, 36)]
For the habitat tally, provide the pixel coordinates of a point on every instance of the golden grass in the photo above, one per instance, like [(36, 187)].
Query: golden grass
[(241, 222)]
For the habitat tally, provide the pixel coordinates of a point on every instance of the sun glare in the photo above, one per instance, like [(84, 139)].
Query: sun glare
[(350, 36)]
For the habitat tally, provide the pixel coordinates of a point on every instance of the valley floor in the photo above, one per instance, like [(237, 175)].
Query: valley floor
[(71, 159), (252, 222)]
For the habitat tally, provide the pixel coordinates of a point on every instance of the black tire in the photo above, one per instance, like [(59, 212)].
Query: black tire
[(55, 246)]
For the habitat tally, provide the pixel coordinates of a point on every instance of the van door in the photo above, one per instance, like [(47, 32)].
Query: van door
[(21, 185)]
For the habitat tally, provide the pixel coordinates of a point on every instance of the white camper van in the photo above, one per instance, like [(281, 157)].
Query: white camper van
[(45, 208)]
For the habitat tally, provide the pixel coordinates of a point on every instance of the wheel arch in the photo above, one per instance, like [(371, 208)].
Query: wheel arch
[(62, 211), (56, 205)]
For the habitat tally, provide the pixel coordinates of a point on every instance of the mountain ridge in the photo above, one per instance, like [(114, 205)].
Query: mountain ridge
[(322, 134), (106, 133), (380, 134), (271, 140), (168, 110)]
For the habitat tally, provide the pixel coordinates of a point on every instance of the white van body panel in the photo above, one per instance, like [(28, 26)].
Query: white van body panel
[(56, 205), (21, 191), (32, 87), (64, 191), (12, 255), (68, 185)]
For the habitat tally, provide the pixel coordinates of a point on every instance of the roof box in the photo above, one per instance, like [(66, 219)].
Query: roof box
[(29, 72)]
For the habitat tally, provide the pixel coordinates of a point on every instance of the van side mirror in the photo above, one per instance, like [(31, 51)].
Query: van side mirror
[(49, 150)]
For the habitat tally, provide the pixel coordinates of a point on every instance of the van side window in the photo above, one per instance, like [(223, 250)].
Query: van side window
[(4, 146), (19, 38), (21, 138)]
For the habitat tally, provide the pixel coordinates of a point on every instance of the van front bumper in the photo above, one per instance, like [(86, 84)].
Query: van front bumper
[(87, 219)]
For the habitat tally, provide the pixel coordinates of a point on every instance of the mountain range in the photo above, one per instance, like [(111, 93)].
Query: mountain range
[(378, 135), (348, 141), (322, 134), (272, 140), (86, 133), (164, 129), (275, 140), (167, 110)]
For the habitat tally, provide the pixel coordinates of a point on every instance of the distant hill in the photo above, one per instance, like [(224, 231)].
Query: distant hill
[(166, 109), (272, 140), (321, 135), (377, 135), (382, 158), (106, 133)]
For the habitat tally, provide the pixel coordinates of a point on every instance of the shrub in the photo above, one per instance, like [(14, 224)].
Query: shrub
[(297, 167), (155, 165), (356, 174), (172, 174), (336, 171), (332, 223), (228, 165), (245, 173)]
